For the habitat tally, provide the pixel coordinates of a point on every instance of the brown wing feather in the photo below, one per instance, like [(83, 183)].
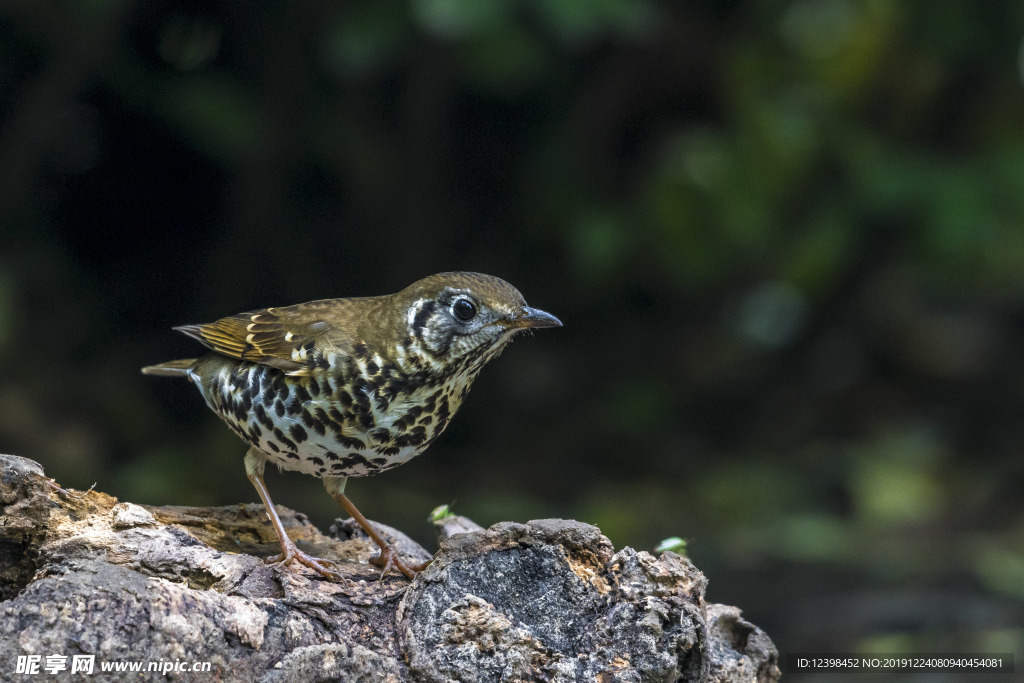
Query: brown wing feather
[(265, 336)]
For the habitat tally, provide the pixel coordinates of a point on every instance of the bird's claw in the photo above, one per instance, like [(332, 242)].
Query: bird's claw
[(291, 553), (389, 559)]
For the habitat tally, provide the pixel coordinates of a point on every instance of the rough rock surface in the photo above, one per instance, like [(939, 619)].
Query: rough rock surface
[(549, 600)]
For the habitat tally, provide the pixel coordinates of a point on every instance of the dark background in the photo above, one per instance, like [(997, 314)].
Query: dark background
[(786, 240)]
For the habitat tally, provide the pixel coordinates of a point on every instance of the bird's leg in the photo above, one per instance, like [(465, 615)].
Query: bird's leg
[(388, 558), (254, 463)]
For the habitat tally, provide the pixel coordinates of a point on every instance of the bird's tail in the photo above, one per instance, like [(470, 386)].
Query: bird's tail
[(172, 368)]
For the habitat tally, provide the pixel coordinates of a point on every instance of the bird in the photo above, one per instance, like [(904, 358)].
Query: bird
[(351, 387)]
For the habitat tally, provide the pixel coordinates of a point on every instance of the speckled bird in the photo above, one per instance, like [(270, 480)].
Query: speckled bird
[(352, 387)]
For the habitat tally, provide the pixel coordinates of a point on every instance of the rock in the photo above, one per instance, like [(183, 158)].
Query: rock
[(450, 525), (740, 651), (551, 600)]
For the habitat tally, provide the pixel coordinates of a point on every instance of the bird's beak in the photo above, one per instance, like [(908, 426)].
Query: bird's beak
[(531, 317)]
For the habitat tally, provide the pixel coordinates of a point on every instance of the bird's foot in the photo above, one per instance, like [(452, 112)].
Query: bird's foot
[(389, 559), (291, 553)]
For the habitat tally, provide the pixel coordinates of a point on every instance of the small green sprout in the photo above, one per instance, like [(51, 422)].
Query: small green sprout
[(439, 513), (675, 544)]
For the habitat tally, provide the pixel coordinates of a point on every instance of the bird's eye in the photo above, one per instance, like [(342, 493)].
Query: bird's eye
[(463, 309)]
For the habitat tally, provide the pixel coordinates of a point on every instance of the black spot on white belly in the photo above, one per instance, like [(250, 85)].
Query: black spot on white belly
[(285, 441), (350, 442), (313, 423), (353, 460), (261, 415)]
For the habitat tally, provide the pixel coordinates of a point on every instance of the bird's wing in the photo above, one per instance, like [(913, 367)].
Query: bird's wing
[(276, 337)]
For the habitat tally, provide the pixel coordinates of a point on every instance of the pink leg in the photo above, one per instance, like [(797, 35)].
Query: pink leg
[(388, 558), (289, 551)]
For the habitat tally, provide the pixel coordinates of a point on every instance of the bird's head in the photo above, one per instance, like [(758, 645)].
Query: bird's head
[(454, 317)]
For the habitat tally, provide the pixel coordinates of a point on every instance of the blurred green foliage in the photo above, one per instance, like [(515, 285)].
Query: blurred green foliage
[(787, 240)]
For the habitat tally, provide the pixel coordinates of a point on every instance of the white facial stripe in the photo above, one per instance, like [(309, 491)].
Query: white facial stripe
[(410, 318)]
